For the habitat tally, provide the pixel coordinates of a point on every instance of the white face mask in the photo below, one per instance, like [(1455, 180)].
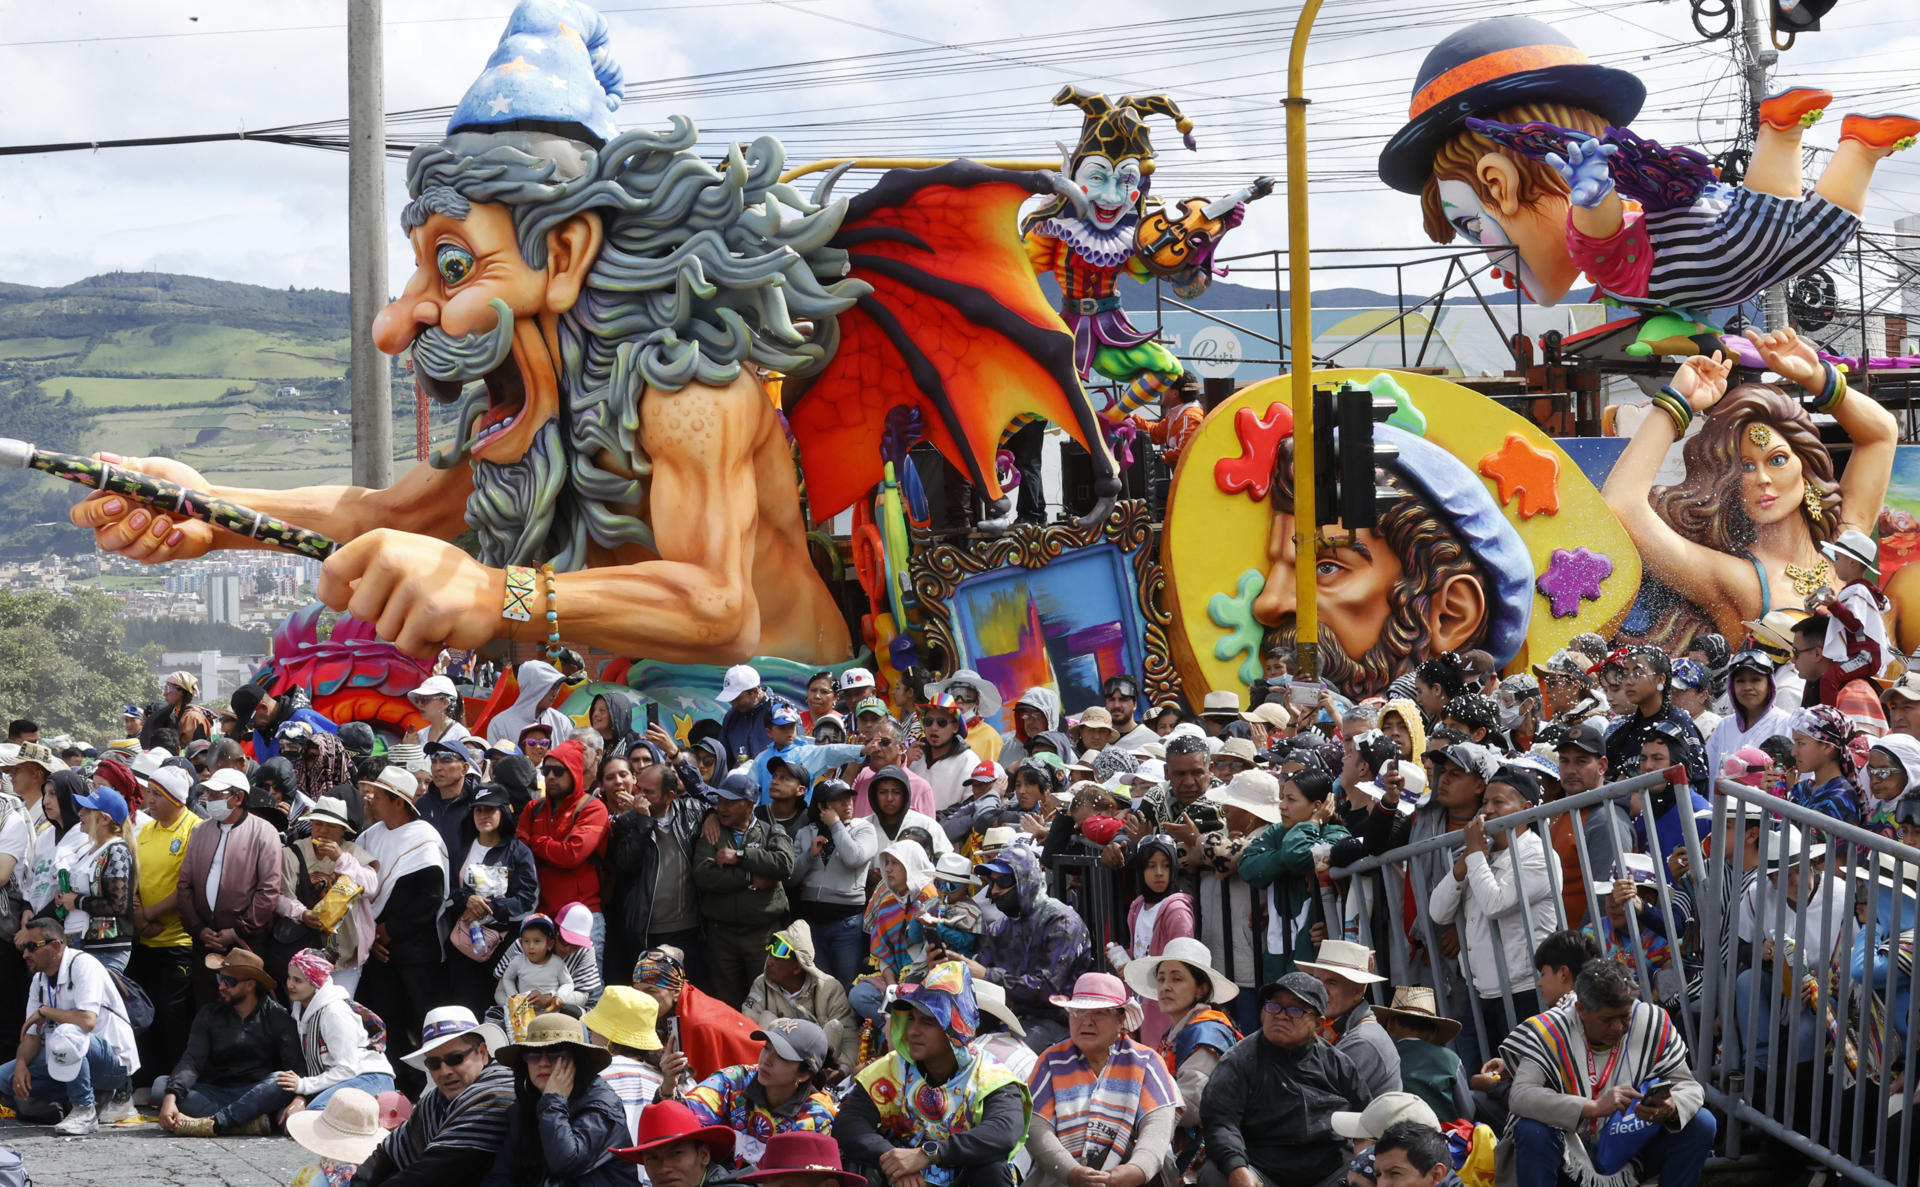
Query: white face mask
[(219, 810), (1511, 714)]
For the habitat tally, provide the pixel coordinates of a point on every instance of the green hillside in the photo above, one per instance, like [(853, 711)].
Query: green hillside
[(247, 384)]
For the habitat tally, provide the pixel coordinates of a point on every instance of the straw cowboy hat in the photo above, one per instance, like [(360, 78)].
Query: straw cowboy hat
[(559, 1031), (1413, 1003), (347, 1130), (1344, 958), (1141, 974)]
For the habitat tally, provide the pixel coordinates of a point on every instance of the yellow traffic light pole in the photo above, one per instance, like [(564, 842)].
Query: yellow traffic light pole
[(1306, 617)]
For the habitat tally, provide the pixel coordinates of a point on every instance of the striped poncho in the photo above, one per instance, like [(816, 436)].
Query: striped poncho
[(476, 1119), (1096, 1113), (1555, 1042)]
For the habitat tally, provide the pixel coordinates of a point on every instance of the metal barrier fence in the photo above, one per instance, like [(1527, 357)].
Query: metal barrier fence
[(1815, 973), (1825, 988)]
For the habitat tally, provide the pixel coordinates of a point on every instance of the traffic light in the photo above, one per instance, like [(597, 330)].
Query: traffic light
[(1326, 459), (1797, 16), (1346, 455), (1361, 500)]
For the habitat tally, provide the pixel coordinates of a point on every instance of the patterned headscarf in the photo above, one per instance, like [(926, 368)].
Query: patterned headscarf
[(185, 682), (944, 994), (660, 968), (316, 966), (327, 769)]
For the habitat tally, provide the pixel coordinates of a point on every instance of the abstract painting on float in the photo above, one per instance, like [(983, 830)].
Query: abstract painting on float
[(1069, 626)]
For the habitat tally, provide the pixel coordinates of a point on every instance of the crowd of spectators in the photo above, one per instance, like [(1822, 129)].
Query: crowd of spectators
[(875, 939)]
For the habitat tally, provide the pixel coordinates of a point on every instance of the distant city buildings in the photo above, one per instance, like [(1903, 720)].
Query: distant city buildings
[(253, 591)]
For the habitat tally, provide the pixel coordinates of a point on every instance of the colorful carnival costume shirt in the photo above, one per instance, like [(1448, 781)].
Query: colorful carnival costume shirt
[(733, 1097), (894, 1102)]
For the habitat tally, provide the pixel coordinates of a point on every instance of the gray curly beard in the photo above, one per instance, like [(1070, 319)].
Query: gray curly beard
[(513, 505)]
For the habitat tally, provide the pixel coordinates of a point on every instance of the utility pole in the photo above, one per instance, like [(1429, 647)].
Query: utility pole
[(1760, 55), (367, 244), (1306, 531)]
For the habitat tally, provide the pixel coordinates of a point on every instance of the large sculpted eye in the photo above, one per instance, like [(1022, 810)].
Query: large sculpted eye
[(455, 263)]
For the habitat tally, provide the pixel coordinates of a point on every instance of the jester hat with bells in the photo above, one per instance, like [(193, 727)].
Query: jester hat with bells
[(1115, 131)]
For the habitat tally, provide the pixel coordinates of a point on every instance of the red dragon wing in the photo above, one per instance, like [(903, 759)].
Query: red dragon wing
[(956, 326)]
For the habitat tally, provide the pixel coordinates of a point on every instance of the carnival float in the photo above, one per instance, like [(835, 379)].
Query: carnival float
[(695, 405)]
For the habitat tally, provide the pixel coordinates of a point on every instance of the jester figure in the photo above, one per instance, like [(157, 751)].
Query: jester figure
[(1086, 238), (601, 305), (1513, 137)]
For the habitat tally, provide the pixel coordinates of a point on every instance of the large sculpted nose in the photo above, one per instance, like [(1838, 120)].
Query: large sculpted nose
[(396, 326)]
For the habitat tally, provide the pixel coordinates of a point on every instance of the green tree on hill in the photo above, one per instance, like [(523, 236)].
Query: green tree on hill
[(64, 663), (32, 505)]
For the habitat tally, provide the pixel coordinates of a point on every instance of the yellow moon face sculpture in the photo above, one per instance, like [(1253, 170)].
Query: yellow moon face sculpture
[(1498, 542)]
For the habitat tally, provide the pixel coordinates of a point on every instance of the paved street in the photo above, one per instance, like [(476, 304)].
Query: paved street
[(148, 1156)]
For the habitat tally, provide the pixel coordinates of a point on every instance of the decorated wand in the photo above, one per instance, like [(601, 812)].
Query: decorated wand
[(166, 496)]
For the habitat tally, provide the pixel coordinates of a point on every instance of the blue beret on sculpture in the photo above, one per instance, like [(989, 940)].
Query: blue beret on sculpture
[(553, 71), (1463, 502)]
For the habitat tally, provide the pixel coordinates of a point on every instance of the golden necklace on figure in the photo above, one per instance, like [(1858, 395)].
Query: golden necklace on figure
[(1807, 578)]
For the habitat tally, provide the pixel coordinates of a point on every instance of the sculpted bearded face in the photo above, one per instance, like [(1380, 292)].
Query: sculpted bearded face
[(1112, 188), (463, 265), (1387, 598)]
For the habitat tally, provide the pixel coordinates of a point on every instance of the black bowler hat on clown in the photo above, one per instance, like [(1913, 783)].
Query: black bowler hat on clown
[(1491, 65)]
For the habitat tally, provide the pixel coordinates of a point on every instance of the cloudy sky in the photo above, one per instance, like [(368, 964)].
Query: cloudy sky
[(831, 77)]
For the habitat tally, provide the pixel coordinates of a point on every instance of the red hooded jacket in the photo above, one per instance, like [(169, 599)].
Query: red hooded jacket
[(566, 837)]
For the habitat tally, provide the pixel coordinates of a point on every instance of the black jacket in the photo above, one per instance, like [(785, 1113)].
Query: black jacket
[(226, 1049), (1271, 1108), (564, 1143), (523, 886), (633, 841)]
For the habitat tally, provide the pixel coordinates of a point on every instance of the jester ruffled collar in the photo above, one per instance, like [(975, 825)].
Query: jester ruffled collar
[(1102, 248)]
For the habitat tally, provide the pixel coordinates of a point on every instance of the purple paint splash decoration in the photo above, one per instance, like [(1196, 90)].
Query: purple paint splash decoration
[(1572, 575)]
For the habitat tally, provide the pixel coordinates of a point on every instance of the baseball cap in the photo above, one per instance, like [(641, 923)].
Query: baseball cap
[(1586, 736), (225, 782), (434, 686), (1907, 686), (986, 772), (785, 714), (1304, 986), (854, 678), (737, 785), (797, 1040), (1472, 758), (871, 705), (106, 799), (1387, 1109), (740, 678), (575, 925)]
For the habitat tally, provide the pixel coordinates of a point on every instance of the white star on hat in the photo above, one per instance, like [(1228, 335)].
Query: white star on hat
[(559, 84), (501, 105)]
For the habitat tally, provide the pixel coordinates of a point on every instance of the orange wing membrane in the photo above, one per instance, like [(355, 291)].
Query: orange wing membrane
[(956, 326)]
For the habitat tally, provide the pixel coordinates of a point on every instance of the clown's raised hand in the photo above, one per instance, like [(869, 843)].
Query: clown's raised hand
[(1585, 169)]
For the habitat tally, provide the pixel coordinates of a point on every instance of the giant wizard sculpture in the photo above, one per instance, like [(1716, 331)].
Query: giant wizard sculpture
[(609, 303)]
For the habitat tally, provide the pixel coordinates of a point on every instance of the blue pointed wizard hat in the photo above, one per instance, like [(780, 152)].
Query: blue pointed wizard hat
[(553, 72)]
